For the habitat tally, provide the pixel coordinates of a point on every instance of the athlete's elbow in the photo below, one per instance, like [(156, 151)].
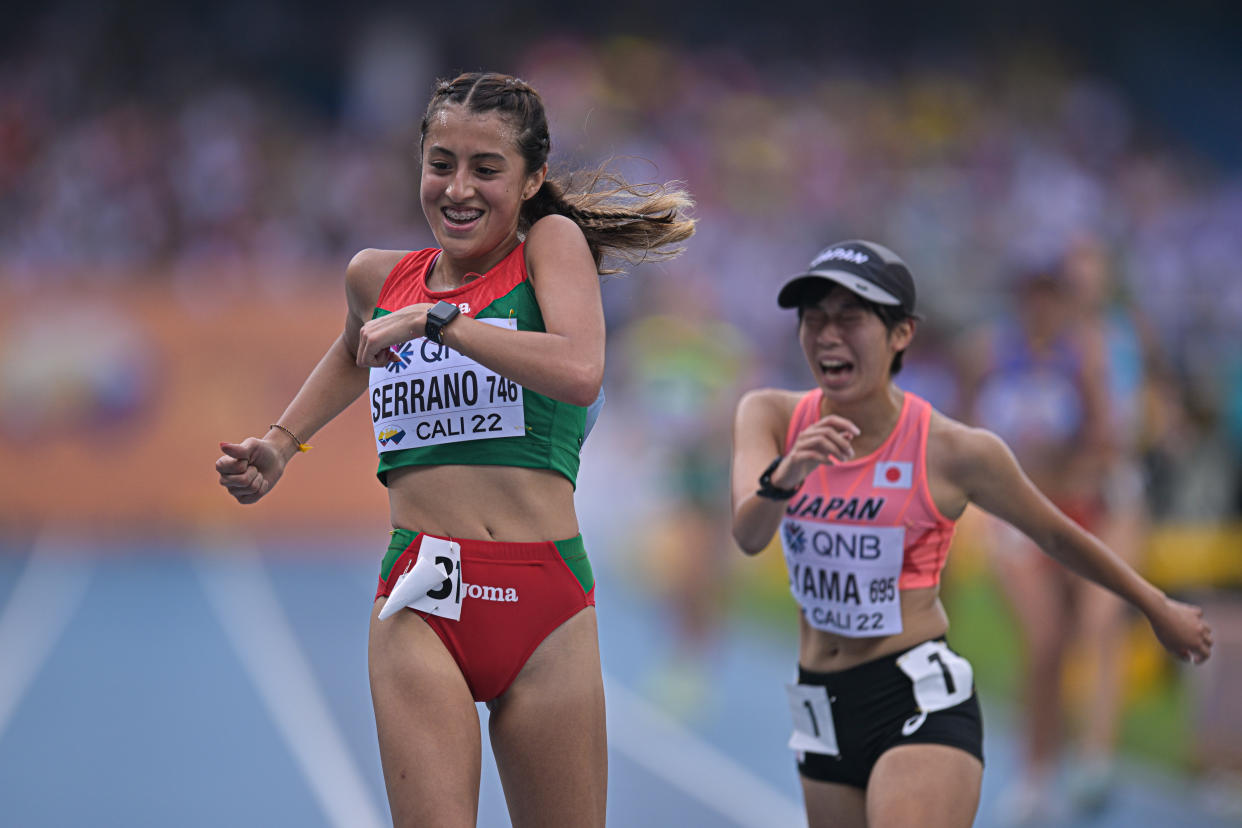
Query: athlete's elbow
[(746, 542), (749, 551), (584, 386), (580, 395), (588, 398)]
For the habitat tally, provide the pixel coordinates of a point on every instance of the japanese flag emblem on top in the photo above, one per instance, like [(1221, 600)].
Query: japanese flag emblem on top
[(894, 475)]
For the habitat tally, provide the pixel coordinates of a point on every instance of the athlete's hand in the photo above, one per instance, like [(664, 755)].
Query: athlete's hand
[(1182, 630), (826, 441), (377, 336), (250, 469)]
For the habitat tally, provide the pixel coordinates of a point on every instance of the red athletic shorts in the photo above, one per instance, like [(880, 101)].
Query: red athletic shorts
[(513, 596)]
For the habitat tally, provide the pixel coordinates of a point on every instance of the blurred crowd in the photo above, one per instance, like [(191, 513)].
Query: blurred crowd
[(132, 158)]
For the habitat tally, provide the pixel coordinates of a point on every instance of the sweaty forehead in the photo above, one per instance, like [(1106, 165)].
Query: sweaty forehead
[(454, 122)]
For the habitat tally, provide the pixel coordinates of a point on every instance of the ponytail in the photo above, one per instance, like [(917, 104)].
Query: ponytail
[(634, 223)]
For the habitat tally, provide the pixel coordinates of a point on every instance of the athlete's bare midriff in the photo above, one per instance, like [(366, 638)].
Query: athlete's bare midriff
[(502, 503), (922, 618)]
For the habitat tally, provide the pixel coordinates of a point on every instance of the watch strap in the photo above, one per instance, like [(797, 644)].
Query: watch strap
[(766, 489), (438, 317)]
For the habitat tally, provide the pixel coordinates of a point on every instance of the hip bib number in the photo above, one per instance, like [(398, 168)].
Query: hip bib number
[(434, 395), (814, 730), (845, 577), (433, 584), (941, 678)]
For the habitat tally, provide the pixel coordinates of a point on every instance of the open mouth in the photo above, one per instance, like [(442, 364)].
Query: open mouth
[(461, 216), (836, 368)]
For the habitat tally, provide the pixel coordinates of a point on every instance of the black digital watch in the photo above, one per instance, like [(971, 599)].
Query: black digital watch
[(438, 316), (766, 489)]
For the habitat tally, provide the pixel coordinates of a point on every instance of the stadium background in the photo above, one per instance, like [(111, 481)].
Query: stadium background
[(181, 186)]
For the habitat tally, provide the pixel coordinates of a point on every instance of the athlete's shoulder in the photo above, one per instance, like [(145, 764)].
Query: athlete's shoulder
[(555, 244), (365, 276), (952, 433), (771, 405), (953, 447), (552, 228), (371, 267)]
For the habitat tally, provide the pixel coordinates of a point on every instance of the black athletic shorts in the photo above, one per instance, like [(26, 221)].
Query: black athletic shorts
[(874, 708)]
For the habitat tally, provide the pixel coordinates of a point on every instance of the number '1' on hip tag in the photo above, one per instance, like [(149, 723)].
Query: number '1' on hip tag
[(814, 731), (940, 677)]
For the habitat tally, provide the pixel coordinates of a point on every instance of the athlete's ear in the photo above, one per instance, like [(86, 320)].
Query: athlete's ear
[(903, 333), (534, 181)]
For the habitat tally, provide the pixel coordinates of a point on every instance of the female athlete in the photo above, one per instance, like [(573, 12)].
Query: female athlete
[(480, 358), (864, 482)]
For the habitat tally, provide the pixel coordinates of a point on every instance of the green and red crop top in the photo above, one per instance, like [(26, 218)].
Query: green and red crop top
[(436, 406)]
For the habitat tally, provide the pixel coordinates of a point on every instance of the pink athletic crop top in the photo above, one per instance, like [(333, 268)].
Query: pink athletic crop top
[(885, 490)]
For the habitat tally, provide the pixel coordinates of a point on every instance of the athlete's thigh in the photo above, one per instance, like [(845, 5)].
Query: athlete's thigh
[(933, 786), (832, 805), (427, 724), (548, 731)]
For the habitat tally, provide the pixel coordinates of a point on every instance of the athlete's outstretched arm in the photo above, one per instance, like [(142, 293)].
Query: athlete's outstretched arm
[(989, 475), (250, 469), (566, 362)]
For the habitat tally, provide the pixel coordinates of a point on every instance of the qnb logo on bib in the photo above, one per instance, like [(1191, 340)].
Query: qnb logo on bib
[(490, 593), (794, 536), (405, 356)]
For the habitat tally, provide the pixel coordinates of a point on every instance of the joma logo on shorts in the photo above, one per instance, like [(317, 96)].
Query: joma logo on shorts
[(489, 593)]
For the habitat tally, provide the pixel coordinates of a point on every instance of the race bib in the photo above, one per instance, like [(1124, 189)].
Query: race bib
[(845, 576), (433, 395), (941, 677), (443, 557), (814, 731)]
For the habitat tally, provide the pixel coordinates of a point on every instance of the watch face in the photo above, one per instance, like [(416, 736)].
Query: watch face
[(442, 312)]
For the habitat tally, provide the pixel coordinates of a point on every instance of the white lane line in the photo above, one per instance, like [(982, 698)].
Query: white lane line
[(658, 742), (44, 600), (248, 609)]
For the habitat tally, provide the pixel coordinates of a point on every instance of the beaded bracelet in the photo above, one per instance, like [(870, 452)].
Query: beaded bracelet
[(301, 446)]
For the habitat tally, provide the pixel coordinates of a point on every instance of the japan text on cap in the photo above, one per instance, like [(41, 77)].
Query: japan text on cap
[(870, 270)]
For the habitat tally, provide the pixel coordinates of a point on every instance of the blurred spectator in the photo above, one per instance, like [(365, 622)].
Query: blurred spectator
[(1133, 363), (686, 369), (1041, 382)]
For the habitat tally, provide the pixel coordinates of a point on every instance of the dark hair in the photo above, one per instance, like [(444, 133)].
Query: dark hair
[(890, 315), (634, 223)]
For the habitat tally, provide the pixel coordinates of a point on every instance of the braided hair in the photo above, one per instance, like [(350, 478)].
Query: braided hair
[(634, 223)]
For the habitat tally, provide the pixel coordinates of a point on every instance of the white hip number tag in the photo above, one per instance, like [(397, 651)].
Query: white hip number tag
[(438, 564), (813, 730), (941, 677)]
